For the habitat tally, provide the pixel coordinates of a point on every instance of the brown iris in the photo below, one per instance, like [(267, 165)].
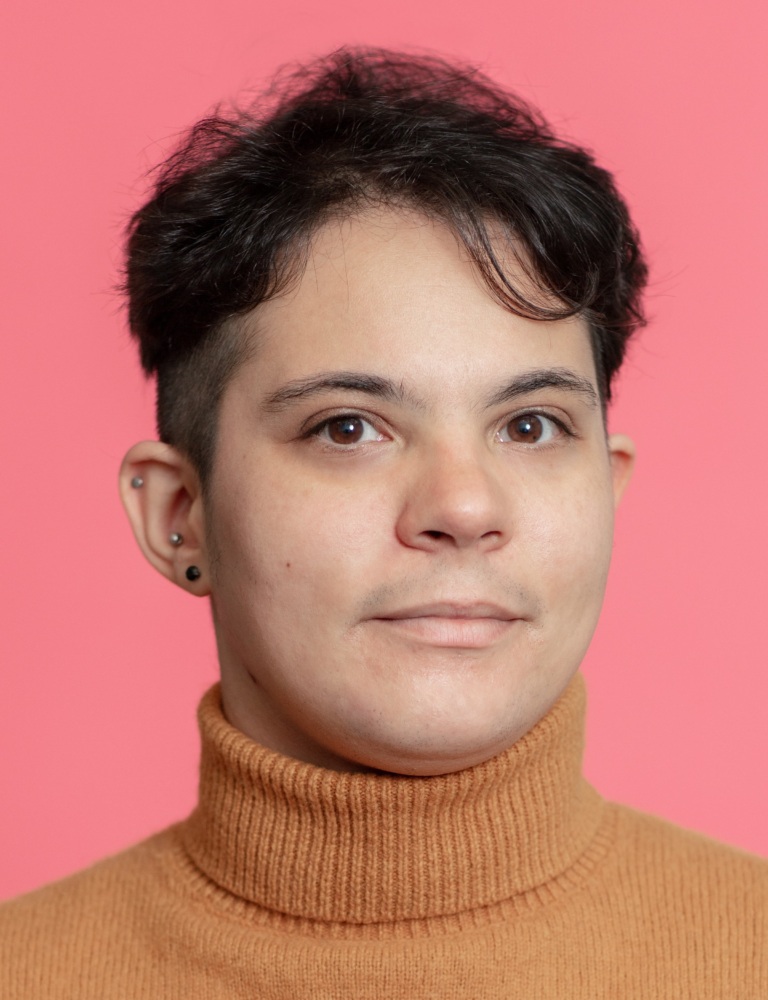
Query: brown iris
[(345, 430), (527, 429)]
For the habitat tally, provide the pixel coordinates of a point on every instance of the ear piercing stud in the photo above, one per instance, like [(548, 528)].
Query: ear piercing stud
[(193, 573), (175, 538), (137, 482)]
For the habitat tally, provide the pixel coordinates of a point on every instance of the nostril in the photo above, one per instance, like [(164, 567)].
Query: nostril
[(435, 534)]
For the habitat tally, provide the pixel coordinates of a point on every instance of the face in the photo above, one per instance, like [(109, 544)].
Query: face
[(411, 511)]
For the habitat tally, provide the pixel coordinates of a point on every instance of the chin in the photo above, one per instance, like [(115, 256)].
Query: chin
[(433, 747), (448, 729), (422, 765)]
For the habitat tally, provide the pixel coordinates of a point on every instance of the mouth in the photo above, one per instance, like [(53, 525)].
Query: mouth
[(458, 625)]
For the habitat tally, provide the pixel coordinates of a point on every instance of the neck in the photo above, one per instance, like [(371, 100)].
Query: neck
[(369, 848)]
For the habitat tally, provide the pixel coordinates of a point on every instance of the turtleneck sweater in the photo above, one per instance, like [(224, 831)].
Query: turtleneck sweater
[(512, 879)]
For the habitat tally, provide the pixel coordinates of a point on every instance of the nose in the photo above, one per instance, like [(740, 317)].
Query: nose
[(454, 499)]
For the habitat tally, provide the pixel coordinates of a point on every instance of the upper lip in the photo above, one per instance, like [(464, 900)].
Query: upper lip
[(453, 609)]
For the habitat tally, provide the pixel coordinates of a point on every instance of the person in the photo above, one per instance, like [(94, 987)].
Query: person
[(385, 309)]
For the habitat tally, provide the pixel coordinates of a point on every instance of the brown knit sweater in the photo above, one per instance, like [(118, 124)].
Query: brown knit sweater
[(513, 879)]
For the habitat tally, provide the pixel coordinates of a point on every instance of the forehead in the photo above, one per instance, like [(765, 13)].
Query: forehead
[(393, 292)]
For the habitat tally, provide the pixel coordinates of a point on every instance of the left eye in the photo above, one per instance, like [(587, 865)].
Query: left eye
[(530, 428), (349, 428)]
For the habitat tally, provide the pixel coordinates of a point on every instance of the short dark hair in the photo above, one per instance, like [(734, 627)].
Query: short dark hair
[(233, 210)]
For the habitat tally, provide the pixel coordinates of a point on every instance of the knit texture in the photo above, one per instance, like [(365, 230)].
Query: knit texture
[(512, 879)]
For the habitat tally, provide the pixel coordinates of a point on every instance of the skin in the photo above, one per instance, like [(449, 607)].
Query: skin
[(404, 573)]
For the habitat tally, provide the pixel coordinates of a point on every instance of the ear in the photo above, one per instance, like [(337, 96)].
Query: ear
[(622, 455), (161, 494)]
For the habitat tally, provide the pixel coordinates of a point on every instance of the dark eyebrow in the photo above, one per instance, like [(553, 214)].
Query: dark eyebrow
[(301, 388), (545, 378), (384, 388)]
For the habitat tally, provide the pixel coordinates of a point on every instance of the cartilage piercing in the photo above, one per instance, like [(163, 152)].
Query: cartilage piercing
[(176, 538)]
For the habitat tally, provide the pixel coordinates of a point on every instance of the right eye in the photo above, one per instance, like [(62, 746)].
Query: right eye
[(347, 429)]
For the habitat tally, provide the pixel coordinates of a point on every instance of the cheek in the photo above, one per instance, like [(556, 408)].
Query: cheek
[(291, 544), (572, 539)]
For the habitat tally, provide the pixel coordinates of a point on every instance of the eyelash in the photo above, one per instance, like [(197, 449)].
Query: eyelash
[(559, 423), (316, 429)]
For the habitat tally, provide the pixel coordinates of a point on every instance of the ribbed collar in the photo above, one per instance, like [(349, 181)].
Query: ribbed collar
[(366, 848)]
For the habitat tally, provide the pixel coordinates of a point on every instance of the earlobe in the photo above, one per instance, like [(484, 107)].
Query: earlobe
[(161, 494), (622, 455)]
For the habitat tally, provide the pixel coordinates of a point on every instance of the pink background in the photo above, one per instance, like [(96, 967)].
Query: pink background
[(103, 661)]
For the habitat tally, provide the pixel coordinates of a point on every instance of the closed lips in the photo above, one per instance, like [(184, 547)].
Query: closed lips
[(451, 610)]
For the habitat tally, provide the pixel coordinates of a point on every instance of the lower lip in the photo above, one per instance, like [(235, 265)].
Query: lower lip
[(464, 633)]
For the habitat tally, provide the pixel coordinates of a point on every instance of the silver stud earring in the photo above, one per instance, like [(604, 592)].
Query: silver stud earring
[(176, 538), (137, 482)]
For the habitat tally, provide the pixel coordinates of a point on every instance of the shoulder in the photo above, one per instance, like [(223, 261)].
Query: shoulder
[(681, 908), (109, 909), (688, 876), (126, 871), (688, 852)]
